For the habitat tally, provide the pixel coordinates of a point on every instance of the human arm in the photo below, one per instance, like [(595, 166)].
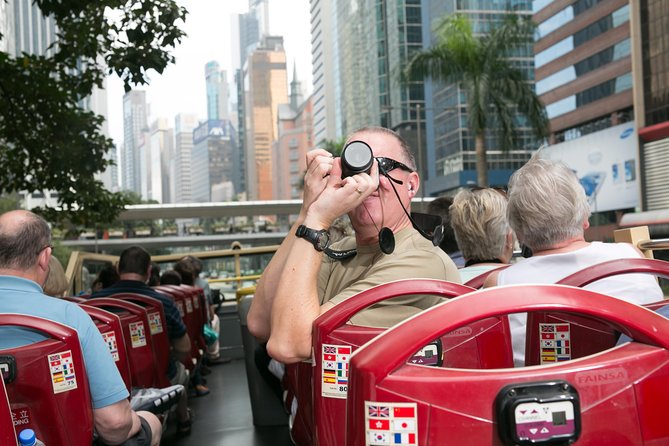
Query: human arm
[(319, 165), (293, 298), (181, 347), (491, 280)]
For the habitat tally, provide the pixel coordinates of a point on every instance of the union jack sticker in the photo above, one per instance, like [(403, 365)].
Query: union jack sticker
[(334, 370)]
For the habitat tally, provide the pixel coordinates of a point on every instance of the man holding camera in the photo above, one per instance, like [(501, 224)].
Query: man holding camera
[(307, 276)]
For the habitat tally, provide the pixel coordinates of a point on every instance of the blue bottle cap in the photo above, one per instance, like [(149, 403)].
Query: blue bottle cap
[(27, 437)]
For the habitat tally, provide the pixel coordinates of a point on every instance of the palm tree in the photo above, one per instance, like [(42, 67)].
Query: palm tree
[(495, 89)]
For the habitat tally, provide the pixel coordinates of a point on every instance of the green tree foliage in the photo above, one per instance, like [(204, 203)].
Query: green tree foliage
[(48, 141), (334, 146), (495, 88)]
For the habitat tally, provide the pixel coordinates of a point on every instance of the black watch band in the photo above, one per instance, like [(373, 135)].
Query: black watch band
[(319, 238)]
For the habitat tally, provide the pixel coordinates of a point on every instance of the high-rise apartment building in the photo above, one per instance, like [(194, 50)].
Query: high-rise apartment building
[(184, 124), (7, 43), (33, 33), (325, 69), (265, 76), (449, 145), (159, 153), (583, 65), (650, 21), (217, 92), (134, 125)]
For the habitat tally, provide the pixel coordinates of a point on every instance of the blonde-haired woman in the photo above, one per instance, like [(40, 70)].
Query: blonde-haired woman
[(478, 218)]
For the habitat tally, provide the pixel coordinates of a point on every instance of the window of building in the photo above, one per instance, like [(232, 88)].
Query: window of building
[(566, 75)]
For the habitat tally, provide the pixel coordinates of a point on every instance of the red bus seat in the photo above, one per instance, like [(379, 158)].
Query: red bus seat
[(158, 330), (333, 341), (580, 336), (620, 393), (109, 325), (184, 302), (7, 432), (615, 267), (477, 282), (138, 341), (47, 384), (193, 298)]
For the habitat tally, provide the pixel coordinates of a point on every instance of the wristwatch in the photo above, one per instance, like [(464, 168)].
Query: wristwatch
[(319, 238)]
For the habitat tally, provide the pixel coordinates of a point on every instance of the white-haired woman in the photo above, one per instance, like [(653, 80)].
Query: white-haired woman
[(549, 212), (478, 218)]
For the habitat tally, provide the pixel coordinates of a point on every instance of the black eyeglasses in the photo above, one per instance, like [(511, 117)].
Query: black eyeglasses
[(388, 164)]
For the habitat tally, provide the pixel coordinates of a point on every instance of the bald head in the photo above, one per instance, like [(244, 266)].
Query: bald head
[(23, 236)]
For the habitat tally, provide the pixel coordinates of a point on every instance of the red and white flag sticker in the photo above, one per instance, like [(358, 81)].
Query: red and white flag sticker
[(137, 334), (390, 423), (110, 339), (555, 342), (155, 324), (63, 376), (334, 370)]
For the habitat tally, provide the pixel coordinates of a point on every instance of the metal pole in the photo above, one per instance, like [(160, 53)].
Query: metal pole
[(421, 170)]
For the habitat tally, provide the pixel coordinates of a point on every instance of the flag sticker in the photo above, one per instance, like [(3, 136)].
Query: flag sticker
[(155, 324), (390, 423), (137, 334), (63, 376), (189, 305), (334, 366), (110, 339), (555, 343)]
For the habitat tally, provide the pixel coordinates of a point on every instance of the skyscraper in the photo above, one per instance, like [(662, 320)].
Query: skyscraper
[(214, 163), (217, 92), (184, 124), (134, 124), (325, 68), (294, 139), (267, 83), (449, 146), (583, 65)]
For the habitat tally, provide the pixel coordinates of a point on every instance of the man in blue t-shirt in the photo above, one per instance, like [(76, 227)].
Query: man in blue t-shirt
[(134, 268), (25, 249)]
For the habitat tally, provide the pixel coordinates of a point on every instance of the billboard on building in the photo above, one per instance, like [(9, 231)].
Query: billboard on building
[(606, 164)]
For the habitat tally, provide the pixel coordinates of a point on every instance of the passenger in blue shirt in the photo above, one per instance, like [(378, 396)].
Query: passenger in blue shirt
[(134, 268), (25, 250)]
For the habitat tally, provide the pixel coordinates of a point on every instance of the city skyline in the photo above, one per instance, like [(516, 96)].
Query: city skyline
[(181, 87)]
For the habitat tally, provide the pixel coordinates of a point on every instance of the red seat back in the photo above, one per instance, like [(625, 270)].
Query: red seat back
[(47, 383), (7, 432), (335, 340), (184, 302), (477, 282), (137, 335), (158, 330), (621, 391), (200, 312), (616, 267), (558, 336), (111, 329)]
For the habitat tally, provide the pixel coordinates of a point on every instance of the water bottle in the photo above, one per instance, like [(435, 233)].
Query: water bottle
[(27, 438)]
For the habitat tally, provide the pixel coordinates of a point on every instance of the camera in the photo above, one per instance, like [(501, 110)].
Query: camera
[(356, 157)]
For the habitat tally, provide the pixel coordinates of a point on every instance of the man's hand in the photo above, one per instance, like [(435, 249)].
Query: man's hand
[(319, 166)]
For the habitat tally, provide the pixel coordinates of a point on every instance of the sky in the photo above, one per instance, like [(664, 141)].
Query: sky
[(181, 87)]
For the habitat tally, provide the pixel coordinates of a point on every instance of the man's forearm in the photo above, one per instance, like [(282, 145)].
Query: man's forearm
[(296, 305), (259, 317)]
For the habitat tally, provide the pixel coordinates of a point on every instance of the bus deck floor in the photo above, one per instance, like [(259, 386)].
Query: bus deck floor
[(223, 418)]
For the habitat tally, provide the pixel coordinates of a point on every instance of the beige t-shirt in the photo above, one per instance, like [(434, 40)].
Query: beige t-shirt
[(414, 258)]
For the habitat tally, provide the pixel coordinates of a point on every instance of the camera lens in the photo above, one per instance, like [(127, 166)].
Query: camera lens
[(356, 157)]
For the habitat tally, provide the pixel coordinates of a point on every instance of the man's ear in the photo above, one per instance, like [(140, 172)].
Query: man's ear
[(43, 259), (413, 183), (586, 224)]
